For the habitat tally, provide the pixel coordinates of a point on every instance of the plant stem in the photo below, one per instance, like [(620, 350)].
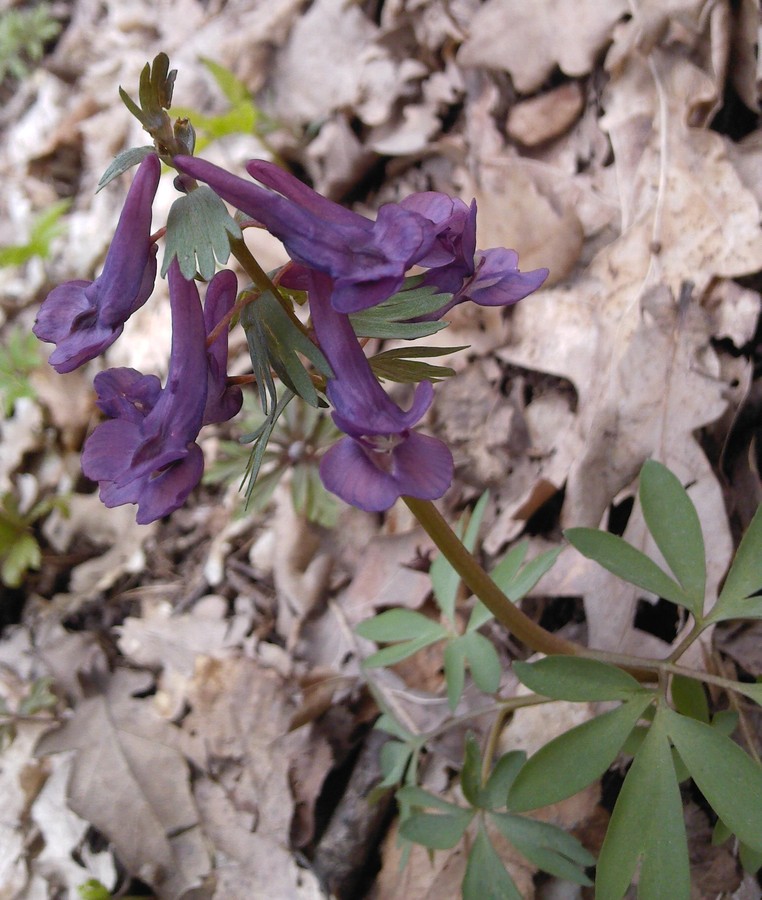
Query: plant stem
[(262, 280), (508, 614), (479, 582)]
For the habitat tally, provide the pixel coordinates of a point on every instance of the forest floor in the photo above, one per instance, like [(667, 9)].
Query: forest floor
[(183, 706)]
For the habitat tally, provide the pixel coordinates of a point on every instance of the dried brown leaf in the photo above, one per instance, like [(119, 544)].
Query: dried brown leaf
[(565, 33), (132, 783)]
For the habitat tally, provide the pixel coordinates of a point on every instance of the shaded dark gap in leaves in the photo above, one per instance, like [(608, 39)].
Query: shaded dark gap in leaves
[(734, 119), (611, 785), (619, 515), (661, 619), (370, 183), (560, 611), (11, 605), (545, 518)]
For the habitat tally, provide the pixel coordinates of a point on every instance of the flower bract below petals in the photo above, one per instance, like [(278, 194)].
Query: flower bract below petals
[(367, 260), (146, 453), (382, 458), (83, 318)]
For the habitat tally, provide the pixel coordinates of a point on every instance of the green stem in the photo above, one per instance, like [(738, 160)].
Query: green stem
[(507, 613), (262, 280), (479, 582), (689, 638)]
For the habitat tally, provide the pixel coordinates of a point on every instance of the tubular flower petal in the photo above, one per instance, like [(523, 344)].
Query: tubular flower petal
[(146, 452), (222, 402), (381, 458), (83, 318), (367, 260)]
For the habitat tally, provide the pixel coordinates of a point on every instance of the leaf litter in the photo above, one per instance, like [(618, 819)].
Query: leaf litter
[(208, 689)]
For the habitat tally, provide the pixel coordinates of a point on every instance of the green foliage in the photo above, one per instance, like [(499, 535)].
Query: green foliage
[(23, 35), (155, 91), (45, 228), (19, 550), (402, 365), (242, 116), (546, 846), (647, 827), (122, 163), (391, 319), (92, 889), (408, 632), (299, 437), (37, 699), (19, 357), (199, 229)]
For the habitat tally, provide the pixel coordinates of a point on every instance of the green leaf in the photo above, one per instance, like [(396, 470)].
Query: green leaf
[(39, 697), (199, 228), (390, 725), (689, 698), (725, 775), (19, 357), (483, 662), (751, 860), (437, 831), (471, 773), (508, 568), (647, 826), (502, 777), (674, 524), (576, 678), (260, 438), (122, 162), (486, 877), (233, 88), (532, 572), (412, 795), (570, 762), (389, 319), (394, 758), (547, 846), (92, 889), (399, 625), (284, 344), (744, 578), (44, 229), (454, 671), (390, 656), (444, 579), (23, 554), (403, 366), (753, 691), (627, 563)]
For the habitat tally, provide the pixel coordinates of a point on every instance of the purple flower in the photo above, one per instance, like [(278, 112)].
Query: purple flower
[(222, 401), (145, 453), (83, 318), (486, 277), (367, 260), (381, 458)]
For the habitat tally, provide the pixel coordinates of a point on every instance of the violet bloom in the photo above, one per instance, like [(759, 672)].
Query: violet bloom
[(222, 401), (367, 260), (486, 277), (83, 318), (145, 453), (381, 458)]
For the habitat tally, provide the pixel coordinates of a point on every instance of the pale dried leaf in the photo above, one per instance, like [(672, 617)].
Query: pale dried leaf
[(546, 116), (565, 33), (129, 780)]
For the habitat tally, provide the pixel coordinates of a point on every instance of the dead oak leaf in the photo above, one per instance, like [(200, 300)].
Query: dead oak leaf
[(131, 782), (565, 33)]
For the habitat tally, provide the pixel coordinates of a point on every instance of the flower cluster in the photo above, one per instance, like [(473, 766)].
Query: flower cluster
[(146, 451)]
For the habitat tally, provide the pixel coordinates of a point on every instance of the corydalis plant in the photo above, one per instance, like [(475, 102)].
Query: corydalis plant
[(342, 263)]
